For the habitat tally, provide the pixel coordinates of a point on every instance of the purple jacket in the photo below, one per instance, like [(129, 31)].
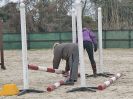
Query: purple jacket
[(88, 35)]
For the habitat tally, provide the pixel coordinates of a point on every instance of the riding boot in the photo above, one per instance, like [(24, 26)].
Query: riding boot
[(94, 69)]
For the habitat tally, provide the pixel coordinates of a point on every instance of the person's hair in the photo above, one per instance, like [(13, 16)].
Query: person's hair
[(55, 44), (84, 29)]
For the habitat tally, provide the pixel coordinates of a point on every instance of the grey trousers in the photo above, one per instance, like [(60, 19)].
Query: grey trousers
[(73, 63)]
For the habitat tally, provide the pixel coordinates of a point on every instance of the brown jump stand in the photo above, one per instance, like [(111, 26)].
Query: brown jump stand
[(1, 48)]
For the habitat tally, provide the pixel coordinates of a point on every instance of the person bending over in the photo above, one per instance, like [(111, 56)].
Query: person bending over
[(70, 53)]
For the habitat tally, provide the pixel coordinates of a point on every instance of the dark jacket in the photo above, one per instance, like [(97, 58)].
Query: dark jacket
[(63, 51)]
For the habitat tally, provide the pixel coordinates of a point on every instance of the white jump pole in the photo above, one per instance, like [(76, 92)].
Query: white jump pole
[(100, 69), (45, 69), (73, 25), (55, 85), (24, 46), (80, 42), (109, 82)]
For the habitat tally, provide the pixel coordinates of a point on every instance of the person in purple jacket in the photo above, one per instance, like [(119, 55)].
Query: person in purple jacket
[(90, 42)]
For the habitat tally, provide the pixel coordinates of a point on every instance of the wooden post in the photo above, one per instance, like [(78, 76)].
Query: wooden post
[(1, 47)]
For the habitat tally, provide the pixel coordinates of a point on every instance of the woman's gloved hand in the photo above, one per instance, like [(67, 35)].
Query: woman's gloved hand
[(95, 47)]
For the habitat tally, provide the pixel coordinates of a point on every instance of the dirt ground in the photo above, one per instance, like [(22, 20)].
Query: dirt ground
[(115, 61)]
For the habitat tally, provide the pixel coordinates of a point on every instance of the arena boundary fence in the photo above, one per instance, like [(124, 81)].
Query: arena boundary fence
[(111, 39)]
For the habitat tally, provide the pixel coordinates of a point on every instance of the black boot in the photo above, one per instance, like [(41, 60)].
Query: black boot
[(69, 82), (94, 70)]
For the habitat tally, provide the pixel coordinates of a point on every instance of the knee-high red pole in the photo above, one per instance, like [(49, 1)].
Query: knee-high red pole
[(109, 82), (55, 85), (51, 70)]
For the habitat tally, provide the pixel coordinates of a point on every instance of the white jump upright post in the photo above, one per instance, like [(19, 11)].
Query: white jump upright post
[(24, 52), (73, 24), (100, 67), (24, 46), (80, 42), (80, 46), (100, 40)]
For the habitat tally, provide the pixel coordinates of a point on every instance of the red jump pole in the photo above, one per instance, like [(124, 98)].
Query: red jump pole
[(55, 85), (50, 70), (109, 82), (40, 68)]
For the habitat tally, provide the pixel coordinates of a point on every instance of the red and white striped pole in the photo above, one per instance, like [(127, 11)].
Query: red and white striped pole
[(109, 82), (51, 70), (55, 85)]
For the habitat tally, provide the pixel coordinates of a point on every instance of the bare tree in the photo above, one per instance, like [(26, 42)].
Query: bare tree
[(117, 14)]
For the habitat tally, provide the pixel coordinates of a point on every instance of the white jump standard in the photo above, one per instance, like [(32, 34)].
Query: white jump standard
[(24, 53)]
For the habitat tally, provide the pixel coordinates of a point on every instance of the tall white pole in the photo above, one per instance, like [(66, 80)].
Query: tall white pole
[(80, 43), (73, 25), (24, 46), (100, 40)]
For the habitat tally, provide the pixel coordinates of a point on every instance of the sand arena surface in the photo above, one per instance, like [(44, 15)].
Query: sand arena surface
[(115, 60)]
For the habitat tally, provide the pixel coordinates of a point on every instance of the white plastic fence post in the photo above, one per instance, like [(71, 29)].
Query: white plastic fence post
[(24, 46), (100, 69), (80, 42), (73, 25)]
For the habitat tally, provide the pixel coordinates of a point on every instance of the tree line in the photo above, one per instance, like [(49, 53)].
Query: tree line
[(55, 15)]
